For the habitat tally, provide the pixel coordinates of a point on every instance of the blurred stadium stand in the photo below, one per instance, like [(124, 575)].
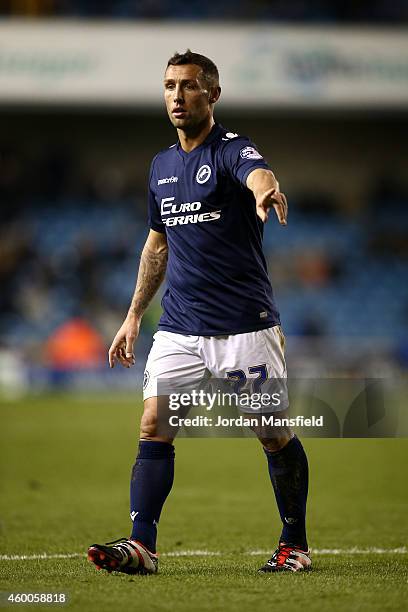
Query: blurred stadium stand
[(71, 234), (73, 214), (300, 11)]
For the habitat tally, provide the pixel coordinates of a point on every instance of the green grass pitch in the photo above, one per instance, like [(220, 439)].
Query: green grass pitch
[(65, 466)]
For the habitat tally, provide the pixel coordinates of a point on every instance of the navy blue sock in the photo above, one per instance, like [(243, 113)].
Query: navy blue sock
[(152, 479), (289, 473)]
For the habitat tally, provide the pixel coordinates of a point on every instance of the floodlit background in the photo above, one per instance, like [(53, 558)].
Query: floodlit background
[(323, 92), (322, 89)]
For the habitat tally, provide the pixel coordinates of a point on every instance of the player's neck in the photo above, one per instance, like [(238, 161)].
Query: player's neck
[(190, 140)]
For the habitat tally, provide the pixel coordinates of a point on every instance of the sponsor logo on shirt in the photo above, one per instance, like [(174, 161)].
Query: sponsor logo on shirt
[(169, 207), (203, 174), (169, 179), (250, 153)]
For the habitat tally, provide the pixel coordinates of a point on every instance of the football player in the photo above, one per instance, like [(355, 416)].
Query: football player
[(210, 195)]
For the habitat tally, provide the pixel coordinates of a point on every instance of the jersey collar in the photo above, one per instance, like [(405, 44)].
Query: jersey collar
[(215, 131)]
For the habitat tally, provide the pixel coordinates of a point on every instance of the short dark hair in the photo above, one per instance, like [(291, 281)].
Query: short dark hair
[(210, 70)]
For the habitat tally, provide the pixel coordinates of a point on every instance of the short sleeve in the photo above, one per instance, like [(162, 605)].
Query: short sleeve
[(239, 157), (154, 218)]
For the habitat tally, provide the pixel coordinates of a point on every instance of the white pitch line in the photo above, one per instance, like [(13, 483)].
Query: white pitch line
[(193, 553), (39, 556), (403, 550)]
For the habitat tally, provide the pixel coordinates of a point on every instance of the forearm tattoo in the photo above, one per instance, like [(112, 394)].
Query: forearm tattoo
[(152, 270)]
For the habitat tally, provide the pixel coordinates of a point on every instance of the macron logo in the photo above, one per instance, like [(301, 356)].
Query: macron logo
[(170, 179)]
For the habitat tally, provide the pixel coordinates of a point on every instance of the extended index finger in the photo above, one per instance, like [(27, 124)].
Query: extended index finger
[(281, 207)]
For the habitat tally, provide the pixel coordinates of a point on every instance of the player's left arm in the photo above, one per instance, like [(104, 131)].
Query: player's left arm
[(265, 187)]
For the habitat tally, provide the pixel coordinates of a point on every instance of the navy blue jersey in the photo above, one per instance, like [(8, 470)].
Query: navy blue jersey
[(217, 279)]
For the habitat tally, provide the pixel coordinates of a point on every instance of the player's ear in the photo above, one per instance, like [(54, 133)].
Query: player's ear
[(215, 93)]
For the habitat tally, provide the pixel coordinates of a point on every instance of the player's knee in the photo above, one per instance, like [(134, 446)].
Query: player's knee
[(149, 429), (148, 425), (274, 444), (274, 440)]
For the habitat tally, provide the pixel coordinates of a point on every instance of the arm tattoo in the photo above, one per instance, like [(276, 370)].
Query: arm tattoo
[(152, 270)]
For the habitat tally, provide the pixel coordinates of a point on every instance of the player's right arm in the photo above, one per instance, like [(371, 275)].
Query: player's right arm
[(152, 269)]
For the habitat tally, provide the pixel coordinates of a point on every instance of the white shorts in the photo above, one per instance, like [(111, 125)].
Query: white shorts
[(175, 358)]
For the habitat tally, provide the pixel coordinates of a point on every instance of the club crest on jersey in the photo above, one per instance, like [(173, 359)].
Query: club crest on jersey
[(250, 153), (203, 174)]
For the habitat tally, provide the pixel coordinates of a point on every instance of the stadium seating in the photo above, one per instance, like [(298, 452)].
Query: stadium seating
[(84, 258)]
